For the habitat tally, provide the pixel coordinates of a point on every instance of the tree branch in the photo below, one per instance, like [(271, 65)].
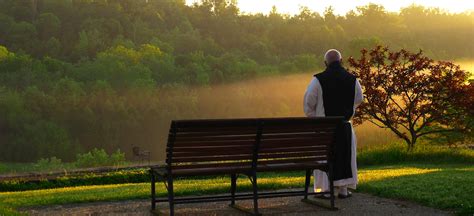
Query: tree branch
[(438, 131)]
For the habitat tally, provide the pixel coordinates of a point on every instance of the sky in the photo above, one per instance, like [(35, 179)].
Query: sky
[(341, 7)]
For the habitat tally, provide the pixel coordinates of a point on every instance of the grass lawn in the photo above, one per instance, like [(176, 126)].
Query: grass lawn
[(440, 186)]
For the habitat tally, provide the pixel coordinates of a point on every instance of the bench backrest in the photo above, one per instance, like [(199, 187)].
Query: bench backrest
[(211, 143), (296, 141), (249, 142)]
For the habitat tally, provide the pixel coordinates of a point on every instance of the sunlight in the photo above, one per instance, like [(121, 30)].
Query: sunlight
[(379, 174), (341, 7)]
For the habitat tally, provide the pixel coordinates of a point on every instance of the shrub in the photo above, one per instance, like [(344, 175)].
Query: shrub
[(98, 157), (117, 158), (49, 164), (3, 167), (306, 62), (118, 177), (424, 153)]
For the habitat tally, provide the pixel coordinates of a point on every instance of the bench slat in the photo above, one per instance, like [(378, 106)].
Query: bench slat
[(292, 167), (213, 158), (210, 171), (217, 128), (197, 135), (295, 149), (217, 138), (293, 160), (292, 154), (279, 143), (215, 150), (198, 154), (216, 143), (295, 135), (215, 123), (210, 165)]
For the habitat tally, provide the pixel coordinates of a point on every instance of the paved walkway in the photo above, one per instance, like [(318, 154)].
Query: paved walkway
[(358, 204)]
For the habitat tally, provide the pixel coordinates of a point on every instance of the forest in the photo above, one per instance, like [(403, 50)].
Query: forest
[(110, 74)]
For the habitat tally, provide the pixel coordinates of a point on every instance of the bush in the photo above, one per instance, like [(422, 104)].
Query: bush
[(397, 154), (98, 157), (118, 177), (301, 63), (49, 164), (306, 62), (3, 168)]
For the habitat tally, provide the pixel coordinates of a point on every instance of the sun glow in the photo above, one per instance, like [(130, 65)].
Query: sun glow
[(341, 7)]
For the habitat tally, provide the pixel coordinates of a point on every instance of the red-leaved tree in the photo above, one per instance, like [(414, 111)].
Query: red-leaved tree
[(413, 95)]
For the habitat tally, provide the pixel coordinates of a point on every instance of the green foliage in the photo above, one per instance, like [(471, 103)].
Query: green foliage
[(301, 63), (48, 25), (4, 53), (424, 153), (78, 75), (119, 177), (8, 211), (3, 168), (98, 157), (49, 164)]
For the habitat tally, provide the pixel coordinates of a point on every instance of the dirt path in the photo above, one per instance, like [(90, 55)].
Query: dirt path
[(359, 204)]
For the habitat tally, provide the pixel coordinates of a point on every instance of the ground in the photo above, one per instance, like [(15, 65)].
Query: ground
[(359, 204), (443, 186)]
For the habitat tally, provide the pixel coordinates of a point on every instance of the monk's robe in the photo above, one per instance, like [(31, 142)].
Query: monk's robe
[(336, 92)]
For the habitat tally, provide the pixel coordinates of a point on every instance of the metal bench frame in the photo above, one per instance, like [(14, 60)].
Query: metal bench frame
[(167, 174)]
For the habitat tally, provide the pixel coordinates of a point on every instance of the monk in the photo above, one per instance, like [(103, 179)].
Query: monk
[(335, 92)]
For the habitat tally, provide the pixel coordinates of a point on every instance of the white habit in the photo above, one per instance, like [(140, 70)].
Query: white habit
[(313, 107)]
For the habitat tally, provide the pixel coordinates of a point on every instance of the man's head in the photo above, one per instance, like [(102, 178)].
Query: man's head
[(331, 56)]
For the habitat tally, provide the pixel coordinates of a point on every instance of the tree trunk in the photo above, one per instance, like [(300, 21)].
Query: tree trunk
[(410, 145)]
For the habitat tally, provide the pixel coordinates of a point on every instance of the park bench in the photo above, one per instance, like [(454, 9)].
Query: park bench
[(246, 147)]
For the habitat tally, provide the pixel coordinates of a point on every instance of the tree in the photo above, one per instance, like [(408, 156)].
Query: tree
[(411, 94), (4, 53), (48, 25), (52, 47)]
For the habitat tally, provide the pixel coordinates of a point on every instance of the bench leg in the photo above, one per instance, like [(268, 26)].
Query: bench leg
[(255, 194), (306, 183), (253, 180), (233, 187), (317, 202), (331, 185), (153, 194), (171, 195)]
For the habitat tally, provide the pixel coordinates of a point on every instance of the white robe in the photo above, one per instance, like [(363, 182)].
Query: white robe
[(313, 107)]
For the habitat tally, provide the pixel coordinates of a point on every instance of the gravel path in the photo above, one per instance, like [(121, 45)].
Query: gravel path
[(358, 204)]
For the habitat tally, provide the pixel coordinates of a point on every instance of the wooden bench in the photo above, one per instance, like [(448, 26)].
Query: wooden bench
[(246, 146)]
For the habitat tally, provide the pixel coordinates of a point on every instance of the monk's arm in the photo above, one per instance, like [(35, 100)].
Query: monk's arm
[(359, 97), (310, 99)]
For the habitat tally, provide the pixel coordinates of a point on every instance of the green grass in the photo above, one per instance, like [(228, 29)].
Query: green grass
[(4, 210), (445, 186), (439, 186), (433, 176)]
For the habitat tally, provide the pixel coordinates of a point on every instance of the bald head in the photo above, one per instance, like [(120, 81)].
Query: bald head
[(331, 56)]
